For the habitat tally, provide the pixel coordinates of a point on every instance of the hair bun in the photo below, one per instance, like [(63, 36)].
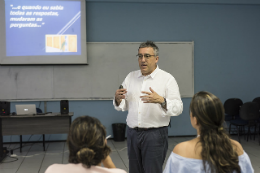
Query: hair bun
[(85, 155)]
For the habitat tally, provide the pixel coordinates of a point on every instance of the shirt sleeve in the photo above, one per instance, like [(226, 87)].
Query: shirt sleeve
[(169, 167), (51, 169), (177, 164), (174, 106), (245, 164), (121, 107)]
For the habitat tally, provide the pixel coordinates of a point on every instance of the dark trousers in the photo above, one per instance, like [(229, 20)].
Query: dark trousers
[(147, 149)]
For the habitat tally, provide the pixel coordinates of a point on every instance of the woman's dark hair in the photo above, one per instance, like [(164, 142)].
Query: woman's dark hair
[(217, 149), (86, 141)]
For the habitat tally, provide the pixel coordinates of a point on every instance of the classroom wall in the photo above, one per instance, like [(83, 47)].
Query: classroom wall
[(226, 51)]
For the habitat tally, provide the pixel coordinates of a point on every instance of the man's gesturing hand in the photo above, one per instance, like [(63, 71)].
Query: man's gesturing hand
[(151, 97)]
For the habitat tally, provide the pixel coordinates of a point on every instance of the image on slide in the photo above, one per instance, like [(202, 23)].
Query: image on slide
[(61, 43)]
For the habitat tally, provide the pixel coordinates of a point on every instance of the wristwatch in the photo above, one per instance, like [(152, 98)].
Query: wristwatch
[(163, 104)]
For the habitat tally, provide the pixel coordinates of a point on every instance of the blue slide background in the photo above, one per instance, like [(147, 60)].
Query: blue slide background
[(30, 41)]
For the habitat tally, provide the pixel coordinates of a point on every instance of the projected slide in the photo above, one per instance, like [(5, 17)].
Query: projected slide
[(36, 28)]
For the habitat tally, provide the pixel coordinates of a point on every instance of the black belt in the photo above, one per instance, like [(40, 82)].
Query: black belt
[(139, 129)]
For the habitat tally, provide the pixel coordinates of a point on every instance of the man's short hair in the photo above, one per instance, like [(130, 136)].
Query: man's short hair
[(150, 44)]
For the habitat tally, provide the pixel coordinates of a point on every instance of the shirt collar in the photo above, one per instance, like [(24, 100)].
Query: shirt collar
[(152, 74)]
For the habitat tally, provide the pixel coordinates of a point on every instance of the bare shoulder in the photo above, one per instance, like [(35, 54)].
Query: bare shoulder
[(189, 149), (179, 148), (237, 147)]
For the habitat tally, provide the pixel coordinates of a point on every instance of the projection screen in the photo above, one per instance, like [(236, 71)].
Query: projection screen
[(42, 32)]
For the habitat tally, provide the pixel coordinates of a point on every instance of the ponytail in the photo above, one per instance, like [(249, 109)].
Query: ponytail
[(218, 152)]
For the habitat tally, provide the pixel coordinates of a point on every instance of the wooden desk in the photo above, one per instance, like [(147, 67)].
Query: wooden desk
[(52, 123)]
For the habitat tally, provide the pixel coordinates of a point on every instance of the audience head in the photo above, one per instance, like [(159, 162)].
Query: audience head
[(207, 116), (208, 111), (87, 141)]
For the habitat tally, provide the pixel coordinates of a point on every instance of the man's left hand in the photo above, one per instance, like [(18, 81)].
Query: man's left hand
[(151, 97)]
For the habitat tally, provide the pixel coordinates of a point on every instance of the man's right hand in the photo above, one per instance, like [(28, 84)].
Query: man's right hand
[(119, 95)]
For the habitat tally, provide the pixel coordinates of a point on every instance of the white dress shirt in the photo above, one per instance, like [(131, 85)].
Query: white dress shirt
[(148, 115)]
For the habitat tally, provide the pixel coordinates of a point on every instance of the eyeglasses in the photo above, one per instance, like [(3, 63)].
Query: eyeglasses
[(146, 56)]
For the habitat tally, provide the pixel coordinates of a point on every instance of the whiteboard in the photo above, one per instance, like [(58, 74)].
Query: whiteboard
[(108, 65)]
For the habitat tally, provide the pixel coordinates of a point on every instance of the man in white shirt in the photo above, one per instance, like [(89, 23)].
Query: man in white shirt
[(151, 97)]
